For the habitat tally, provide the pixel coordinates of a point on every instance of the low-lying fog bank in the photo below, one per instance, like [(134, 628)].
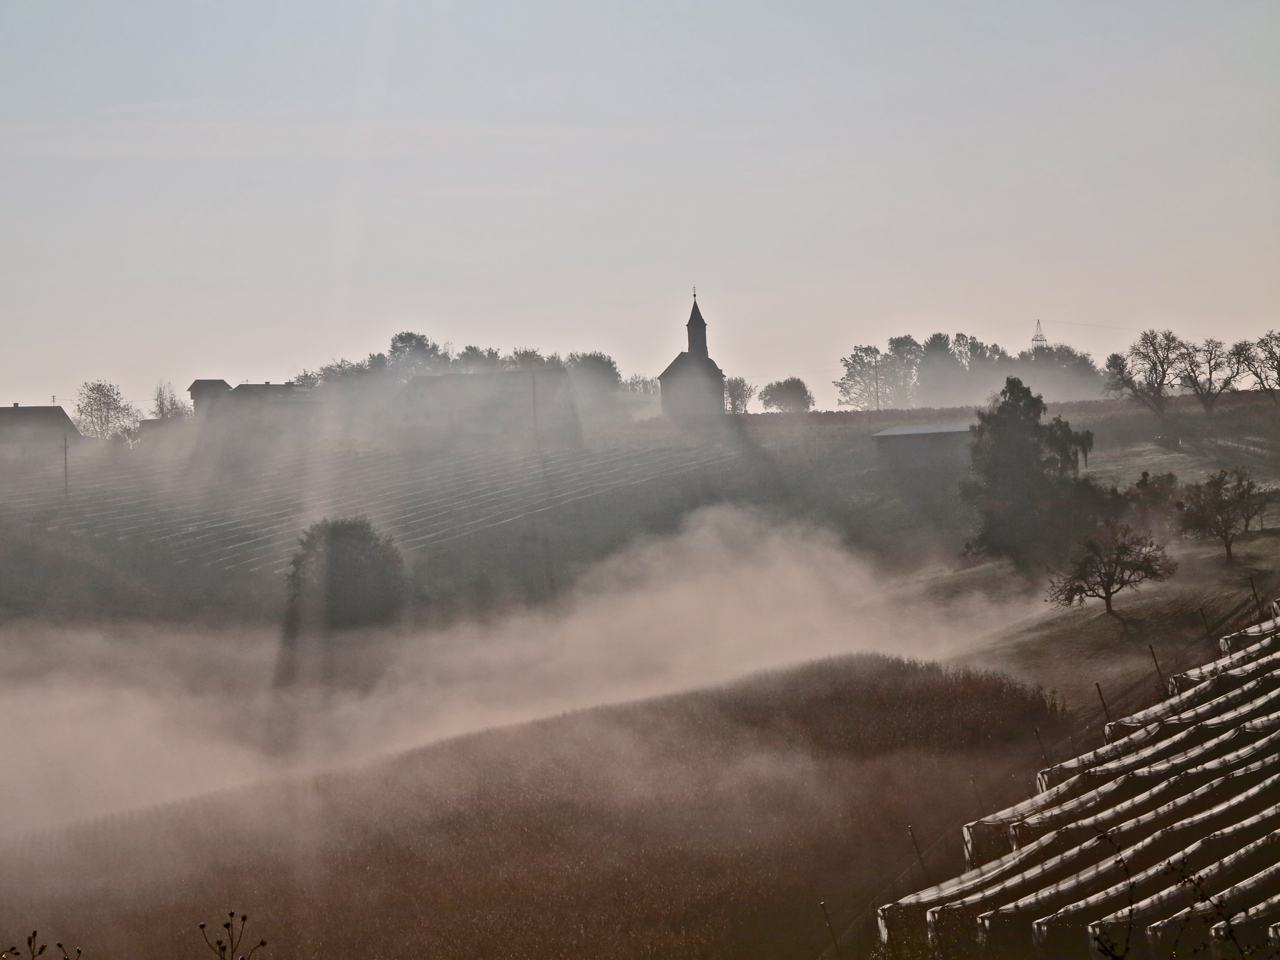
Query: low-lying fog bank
[(129, 715)]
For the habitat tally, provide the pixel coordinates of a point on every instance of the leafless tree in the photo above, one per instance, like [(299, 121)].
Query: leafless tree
[(103, 412), (1208, 371), (167, 405), (1115, 559), (637, 383), (1148, 370), (737, 394), (1223, 505), (1261, 358)]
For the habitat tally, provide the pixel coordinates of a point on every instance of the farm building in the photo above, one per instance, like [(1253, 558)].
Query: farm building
[(1163, 842), (31, 431), (693, 385), (216, 401), (927, 445)]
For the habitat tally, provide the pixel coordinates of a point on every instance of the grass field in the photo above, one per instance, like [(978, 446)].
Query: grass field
[(704, 824)]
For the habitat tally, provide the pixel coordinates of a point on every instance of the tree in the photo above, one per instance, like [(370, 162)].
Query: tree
[(1153, 501), (940, 374), (1060, 372), (1262, 361), (1148, 370), (529, 358), (1025, 481), (103, 412), (474, 359), (737, 394), (1208, 371), (167, 405), (1254, 497), (1116, 558), (789, 396), (343, 576), (637, 383), (1223, 505), (595, 372)]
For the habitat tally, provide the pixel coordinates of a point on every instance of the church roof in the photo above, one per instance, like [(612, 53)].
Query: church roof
[(686, 362), (695, 315)]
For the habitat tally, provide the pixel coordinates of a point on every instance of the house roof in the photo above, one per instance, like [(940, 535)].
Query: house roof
[(33, 422), (922, 429), (208, 385)]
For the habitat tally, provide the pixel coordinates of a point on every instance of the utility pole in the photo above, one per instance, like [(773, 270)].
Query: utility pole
[(875, 366)]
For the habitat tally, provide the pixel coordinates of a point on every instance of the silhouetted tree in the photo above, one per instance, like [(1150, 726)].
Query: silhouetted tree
[(1148, 370), (1153, 502), (528, 358), (344, 575), (1208, 370), (594, 372), (737, 394), (880, 381), (167, 405), (1222, 505), (940, 374), (1032, 504), (1115, 558), (789, 396), (1261, 360), (103, 412), (474, 359), (637, 383)]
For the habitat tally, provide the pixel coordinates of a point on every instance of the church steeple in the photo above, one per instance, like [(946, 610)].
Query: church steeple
[(697, 328)]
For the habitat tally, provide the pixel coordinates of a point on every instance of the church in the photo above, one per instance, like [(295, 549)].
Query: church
[(693, 386)]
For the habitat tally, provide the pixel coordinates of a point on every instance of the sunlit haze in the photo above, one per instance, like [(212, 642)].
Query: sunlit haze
[(241, 191)]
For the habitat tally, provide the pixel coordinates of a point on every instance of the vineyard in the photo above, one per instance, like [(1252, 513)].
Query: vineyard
[(1163, 842), (247, 515)]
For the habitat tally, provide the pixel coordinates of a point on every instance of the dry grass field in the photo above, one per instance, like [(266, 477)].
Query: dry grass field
[(699, 825)]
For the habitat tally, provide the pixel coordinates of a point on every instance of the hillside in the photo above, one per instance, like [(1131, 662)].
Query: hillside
[(702, 824)]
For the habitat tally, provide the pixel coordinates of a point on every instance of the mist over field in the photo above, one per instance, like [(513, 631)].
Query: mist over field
[(128, 714)]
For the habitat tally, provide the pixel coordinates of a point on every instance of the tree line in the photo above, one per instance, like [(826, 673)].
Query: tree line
[(1035, 509), (951, 371)]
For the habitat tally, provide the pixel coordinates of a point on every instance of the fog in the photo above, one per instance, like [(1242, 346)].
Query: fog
[(129, 715)]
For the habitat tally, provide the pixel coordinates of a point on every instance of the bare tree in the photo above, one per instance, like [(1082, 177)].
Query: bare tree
[(1223, 505), (1116, 559), (1254, 497), (1262, 361), (1148, 370), (737, 394), (789, 396), (638, 383), (1208, 371), (167, 405), (103, 412)]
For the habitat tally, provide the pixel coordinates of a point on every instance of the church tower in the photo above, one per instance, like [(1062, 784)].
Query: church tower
[(693, 386), (697, 328)]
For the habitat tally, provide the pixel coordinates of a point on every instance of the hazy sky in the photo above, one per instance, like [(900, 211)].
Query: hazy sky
[(241, 190)]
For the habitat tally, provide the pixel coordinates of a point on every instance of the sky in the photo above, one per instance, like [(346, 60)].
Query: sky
[(242, 190)]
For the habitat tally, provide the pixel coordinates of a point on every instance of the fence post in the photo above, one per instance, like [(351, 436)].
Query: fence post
[(924, 871), (1105, 712), (834, 942)]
